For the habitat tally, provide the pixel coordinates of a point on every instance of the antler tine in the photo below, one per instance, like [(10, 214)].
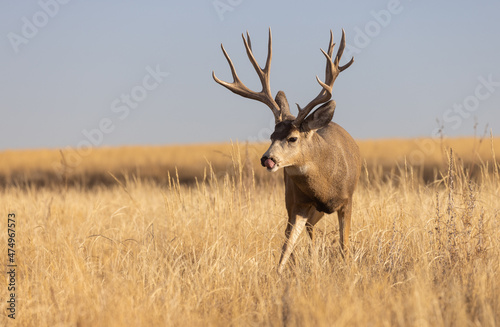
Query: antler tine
[(341, 51), (263, 75), (239, 88), (249, 41), (328, 70), (233, 71), (267, 67), (332, 71)]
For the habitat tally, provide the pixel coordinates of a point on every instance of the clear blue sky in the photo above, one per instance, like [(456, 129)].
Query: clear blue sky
[(69, 66)]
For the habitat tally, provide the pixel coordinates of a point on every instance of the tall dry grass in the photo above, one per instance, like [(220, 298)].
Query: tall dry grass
[(142, 253)]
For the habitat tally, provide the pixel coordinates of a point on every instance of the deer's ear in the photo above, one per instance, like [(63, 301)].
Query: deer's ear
[(283, 104), (320, 117), (282, 101)]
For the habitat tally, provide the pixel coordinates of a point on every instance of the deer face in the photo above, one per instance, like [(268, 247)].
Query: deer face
[(285, 147), (290, 144)]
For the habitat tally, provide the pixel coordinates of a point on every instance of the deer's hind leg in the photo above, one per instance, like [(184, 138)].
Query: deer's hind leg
[(344, 214)]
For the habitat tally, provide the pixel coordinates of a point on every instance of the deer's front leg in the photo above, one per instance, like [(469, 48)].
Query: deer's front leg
[(296, 223)]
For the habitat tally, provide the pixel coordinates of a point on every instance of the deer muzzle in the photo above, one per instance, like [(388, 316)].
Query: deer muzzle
[(269, 163)]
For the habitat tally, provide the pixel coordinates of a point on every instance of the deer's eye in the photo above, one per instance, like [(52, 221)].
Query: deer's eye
[(292, 139)]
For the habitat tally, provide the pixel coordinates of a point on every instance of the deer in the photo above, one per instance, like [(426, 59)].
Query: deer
[(321, 161)]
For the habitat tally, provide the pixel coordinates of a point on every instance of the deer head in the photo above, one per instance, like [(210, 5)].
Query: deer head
[(293, 136)]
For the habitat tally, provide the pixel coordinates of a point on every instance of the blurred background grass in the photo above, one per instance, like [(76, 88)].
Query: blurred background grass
[(188, 163)]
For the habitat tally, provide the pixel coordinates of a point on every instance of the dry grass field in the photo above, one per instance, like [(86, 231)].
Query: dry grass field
[(117, 237)]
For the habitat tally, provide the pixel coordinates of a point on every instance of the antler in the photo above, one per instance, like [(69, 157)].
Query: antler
[(332, 71), (239, 88)]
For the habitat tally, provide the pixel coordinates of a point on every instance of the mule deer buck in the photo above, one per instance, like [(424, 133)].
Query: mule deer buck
[(320, 160)]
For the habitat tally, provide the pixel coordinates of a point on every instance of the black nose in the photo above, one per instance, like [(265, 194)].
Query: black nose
[(262, 160)]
